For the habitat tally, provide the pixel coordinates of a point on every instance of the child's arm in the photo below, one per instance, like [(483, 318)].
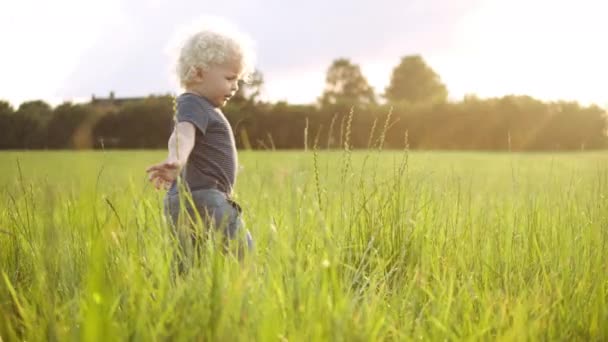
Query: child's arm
[(180, 145)]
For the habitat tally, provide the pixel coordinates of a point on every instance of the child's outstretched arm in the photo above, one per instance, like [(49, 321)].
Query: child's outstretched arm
[(180, 145)]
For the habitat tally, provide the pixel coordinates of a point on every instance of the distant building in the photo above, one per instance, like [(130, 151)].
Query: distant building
[(112, 100)]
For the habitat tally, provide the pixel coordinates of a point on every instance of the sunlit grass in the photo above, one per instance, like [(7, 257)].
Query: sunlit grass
[(349, 246)]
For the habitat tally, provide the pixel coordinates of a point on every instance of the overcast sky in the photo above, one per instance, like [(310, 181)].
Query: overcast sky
[(70, 49)]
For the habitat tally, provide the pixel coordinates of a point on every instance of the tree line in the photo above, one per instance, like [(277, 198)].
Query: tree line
[(415, 112)]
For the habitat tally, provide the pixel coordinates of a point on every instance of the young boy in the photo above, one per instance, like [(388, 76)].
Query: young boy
[(202, 148)]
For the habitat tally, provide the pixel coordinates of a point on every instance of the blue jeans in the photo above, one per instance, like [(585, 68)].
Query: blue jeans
[(216, 211)]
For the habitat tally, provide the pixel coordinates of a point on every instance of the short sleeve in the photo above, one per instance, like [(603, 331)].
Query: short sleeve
[(190, 110)]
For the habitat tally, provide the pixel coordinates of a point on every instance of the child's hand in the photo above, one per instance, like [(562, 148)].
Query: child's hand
[(163, 174)]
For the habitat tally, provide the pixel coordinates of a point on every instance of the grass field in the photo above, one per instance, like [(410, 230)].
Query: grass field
[(357, 246)]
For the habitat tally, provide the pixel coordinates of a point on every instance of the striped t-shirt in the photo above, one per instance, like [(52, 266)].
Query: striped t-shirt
[(212, 164)]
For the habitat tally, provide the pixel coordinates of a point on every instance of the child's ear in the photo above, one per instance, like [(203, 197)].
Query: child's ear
[(200, 73), (196, 74)]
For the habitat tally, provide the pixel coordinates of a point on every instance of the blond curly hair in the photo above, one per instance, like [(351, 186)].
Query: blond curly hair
[(213, 42)]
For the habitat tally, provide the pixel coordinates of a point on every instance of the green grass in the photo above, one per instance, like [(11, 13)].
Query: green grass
[(357, 246)]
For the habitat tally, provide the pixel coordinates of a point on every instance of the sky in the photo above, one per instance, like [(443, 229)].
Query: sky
[(68, 50)]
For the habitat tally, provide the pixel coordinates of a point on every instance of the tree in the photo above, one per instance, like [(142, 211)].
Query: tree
[(30, 124), (413, 81), (345, 86), (145, 123), (6, 108), (572, 127), (6, 125), (62, 127)]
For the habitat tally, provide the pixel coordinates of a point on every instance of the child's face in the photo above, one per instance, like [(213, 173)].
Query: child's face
[(219, 83)]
